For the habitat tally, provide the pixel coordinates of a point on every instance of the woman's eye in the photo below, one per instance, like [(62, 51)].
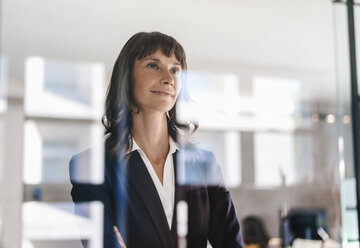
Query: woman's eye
[(153, 66), (175, 70)]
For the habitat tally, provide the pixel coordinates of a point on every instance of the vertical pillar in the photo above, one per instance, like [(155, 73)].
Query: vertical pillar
[(12, 187), (355, 111), (247, 158)]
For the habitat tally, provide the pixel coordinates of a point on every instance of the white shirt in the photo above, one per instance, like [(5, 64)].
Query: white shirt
[(166, 191)]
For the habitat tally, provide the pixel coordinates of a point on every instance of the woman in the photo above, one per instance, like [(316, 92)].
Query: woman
[(141, 187)]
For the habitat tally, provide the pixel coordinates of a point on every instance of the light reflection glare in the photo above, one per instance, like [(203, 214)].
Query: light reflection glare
[(330, 118), (341, 144), (275, 95), (342, 168), (346, 119)]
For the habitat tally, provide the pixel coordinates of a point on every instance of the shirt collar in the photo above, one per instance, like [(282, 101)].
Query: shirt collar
[(172, 143)]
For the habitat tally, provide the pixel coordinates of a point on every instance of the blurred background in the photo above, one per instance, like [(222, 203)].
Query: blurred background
[(270, 83)]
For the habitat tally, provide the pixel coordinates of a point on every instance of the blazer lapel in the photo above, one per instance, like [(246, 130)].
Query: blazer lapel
[(141, 181)]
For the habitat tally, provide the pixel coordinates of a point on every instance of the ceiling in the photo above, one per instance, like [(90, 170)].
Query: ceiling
[(279, 37)]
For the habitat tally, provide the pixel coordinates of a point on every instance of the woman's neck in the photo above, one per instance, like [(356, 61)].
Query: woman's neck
[(150, 132)]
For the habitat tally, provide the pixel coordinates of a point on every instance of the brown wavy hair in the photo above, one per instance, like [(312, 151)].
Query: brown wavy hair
[(120, 102)]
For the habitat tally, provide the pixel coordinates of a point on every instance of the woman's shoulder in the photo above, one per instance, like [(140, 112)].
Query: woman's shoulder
[(87, 166), (196, 153), (199, 165)]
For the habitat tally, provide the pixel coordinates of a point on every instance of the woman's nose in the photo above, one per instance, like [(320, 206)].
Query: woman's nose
[(168, 79)]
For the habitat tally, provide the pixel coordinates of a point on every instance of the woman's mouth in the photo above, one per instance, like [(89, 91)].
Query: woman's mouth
[(162, 93)]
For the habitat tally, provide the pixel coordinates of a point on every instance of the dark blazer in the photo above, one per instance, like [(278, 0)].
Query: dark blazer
[(131, 202)]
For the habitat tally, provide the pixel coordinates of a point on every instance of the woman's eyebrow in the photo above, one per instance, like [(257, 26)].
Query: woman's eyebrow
[(153, 59), (159, 61)]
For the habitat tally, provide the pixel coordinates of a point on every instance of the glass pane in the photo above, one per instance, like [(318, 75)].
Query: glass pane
[(350, 235), (262, 88), (281, 151), (67, 124)]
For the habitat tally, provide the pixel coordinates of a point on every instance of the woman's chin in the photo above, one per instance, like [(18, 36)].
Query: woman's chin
[(163, 108), (157, 109)]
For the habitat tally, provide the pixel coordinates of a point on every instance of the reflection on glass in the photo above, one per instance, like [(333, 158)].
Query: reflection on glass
[(63, 106), (215, 101), (215, 104), (274, 159), (49, 146), (234, 127), (56, 154), (275, 101), (349, 214), (69, 89), (55, 224), (226, 145), (270, 144)]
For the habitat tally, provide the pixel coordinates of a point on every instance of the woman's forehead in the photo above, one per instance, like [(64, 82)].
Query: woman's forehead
[(159, 56)]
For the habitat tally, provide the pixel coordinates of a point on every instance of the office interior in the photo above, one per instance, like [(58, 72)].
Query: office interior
[(270, 88)]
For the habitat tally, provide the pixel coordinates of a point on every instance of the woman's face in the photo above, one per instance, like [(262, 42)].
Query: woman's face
[(156, 82)]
